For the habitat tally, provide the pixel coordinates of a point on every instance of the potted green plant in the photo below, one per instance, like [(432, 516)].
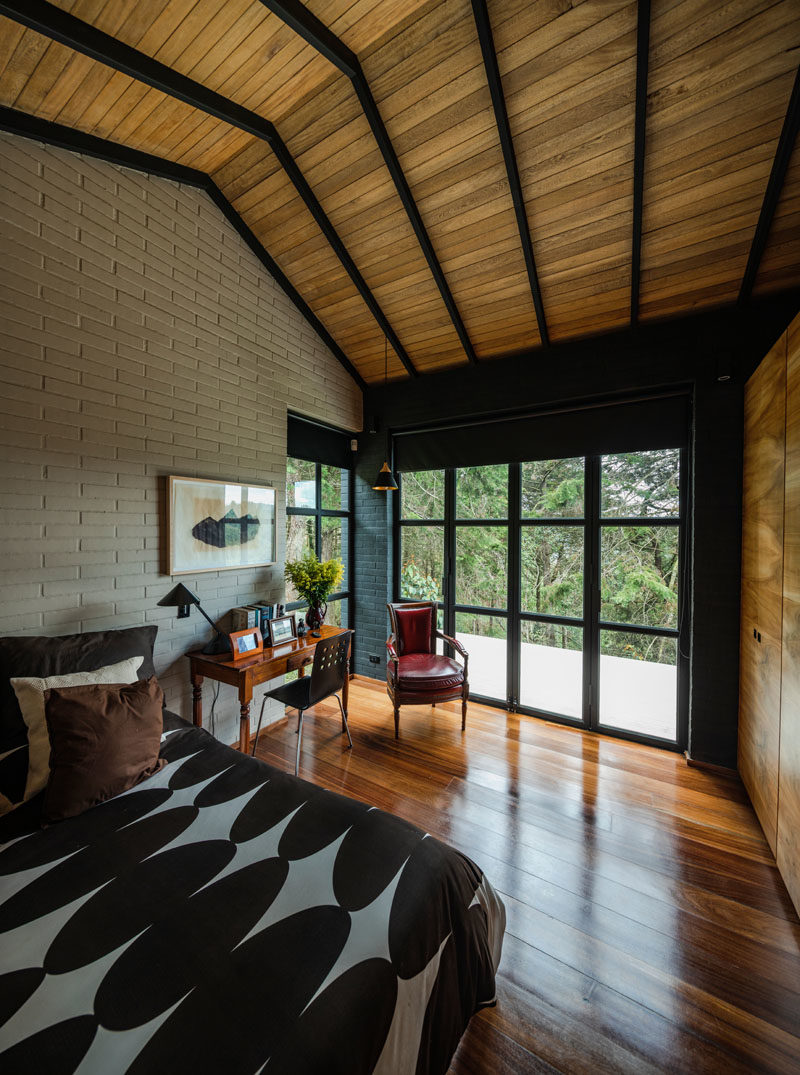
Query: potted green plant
[(315, 580)]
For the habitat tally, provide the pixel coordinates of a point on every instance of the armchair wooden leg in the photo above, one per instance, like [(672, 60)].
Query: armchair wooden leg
[(397, 722), (463, 714)]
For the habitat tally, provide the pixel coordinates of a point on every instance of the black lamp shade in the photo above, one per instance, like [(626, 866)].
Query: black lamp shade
[(385, 482), (180, 597)]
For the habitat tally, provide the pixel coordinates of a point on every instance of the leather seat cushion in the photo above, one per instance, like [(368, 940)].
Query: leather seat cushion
[(428, 672)]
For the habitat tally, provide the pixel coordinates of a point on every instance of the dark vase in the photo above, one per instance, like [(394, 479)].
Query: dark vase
[(316, 615)]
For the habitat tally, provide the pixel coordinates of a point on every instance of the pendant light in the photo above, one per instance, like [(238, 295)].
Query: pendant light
[(385, 483)]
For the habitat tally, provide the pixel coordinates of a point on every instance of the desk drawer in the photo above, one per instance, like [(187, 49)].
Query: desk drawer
[(297, 660)]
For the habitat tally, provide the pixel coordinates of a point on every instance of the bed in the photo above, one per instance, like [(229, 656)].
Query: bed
[(223, 915)]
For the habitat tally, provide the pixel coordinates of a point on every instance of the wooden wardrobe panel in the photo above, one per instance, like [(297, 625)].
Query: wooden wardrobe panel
[(762, 586), (788, 851)]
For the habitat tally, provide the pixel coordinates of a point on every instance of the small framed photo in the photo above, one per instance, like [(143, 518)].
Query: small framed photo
[(246, 643), (282, 629)]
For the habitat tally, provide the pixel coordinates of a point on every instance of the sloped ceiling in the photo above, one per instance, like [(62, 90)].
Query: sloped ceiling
[(465, 178)]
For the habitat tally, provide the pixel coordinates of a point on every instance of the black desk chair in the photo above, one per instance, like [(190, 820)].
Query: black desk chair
[(327, 677)]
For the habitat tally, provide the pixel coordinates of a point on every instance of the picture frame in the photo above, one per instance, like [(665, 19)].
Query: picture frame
[(215, 525), (247, 643), (282, 629)]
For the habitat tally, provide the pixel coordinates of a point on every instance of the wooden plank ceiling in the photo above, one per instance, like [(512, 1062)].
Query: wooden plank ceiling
[(442, 267)]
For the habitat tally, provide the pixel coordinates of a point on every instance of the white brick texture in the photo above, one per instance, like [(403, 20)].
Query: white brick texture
[(140, 338)]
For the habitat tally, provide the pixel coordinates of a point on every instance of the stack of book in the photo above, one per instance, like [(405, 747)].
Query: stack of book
[(255, 615)]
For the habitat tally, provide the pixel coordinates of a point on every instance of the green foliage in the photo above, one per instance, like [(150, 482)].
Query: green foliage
[(314, 579), (417, 585), (565, 495)]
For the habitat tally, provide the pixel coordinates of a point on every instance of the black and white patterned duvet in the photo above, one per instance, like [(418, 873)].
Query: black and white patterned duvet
[(226, 917)]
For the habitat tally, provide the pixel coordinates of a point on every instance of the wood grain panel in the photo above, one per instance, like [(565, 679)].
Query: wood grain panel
[(762, 586), (570, 89), (648, 929), (720, 74), (726, 75), (788, 851), (431, 88)]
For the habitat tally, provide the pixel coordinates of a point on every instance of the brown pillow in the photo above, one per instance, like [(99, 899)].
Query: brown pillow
[(104, 738)]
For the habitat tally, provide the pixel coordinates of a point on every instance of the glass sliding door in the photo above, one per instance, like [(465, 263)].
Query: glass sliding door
[(552, 587), (640, 599), (420, 536), (481, 576), (562, 579)]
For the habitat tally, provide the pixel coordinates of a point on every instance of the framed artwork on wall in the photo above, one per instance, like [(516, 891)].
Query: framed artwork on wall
[(218, 525)]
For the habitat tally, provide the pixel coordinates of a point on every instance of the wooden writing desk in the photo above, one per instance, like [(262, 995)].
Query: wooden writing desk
[(249, 672)]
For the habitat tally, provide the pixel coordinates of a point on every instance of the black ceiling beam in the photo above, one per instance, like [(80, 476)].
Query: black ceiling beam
[(52, 22), (56, 134), (486, 39), (640, 128), (783, 153), (316, 33)]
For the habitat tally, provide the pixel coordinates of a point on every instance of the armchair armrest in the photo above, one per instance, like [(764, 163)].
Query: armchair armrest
[(454, 643), (393, 663)]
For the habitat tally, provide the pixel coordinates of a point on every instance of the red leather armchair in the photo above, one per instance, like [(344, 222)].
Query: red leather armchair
[(415, 673)]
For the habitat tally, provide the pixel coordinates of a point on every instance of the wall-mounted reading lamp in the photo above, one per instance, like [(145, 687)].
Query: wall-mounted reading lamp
[(182, 598)]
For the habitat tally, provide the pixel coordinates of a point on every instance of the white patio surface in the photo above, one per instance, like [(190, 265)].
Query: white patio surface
[(638, 696)]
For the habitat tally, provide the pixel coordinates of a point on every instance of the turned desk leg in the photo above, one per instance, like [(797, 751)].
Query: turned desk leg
[(245, 698), (244, 727), (197, 701)]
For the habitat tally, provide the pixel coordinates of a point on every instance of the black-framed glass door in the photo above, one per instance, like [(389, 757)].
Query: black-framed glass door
[(564, 579)]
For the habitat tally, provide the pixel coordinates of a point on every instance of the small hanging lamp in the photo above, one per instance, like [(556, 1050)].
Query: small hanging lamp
[(385, 482)]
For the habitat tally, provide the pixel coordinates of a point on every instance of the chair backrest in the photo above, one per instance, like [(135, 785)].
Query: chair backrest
[(414, 626), (330, 666)]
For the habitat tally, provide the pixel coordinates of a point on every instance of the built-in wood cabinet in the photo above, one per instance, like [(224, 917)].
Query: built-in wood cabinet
[(788, 853), (769, 696)]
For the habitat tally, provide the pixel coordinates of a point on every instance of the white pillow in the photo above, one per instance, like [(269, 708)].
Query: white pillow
[(30, 695)]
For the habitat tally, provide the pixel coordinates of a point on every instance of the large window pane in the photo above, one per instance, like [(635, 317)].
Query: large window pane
[(301, 483), (299, 543), (335, 493), (484, 638), (553, 489), (552, 570), (551, 668), (335, 544), (422, 494), (299, 536), (421, 562), (641, 484), (482, 492), (639, 573), (337, 614), (482, 566), (639, 683)]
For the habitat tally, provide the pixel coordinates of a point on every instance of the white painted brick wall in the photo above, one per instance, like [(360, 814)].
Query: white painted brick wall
[(140, 338)]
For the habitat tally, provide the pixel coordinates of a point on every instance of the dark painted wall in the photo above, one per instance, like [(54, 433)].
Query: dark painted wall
[(688, 351)]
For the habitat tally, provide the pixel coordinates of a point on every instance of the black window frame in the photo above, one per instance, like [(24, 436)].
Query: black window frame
[(591, 622)]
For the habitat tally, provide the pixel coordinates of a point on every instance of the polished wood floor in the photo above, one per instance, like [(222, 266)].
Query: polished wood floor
[(648, 928)]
